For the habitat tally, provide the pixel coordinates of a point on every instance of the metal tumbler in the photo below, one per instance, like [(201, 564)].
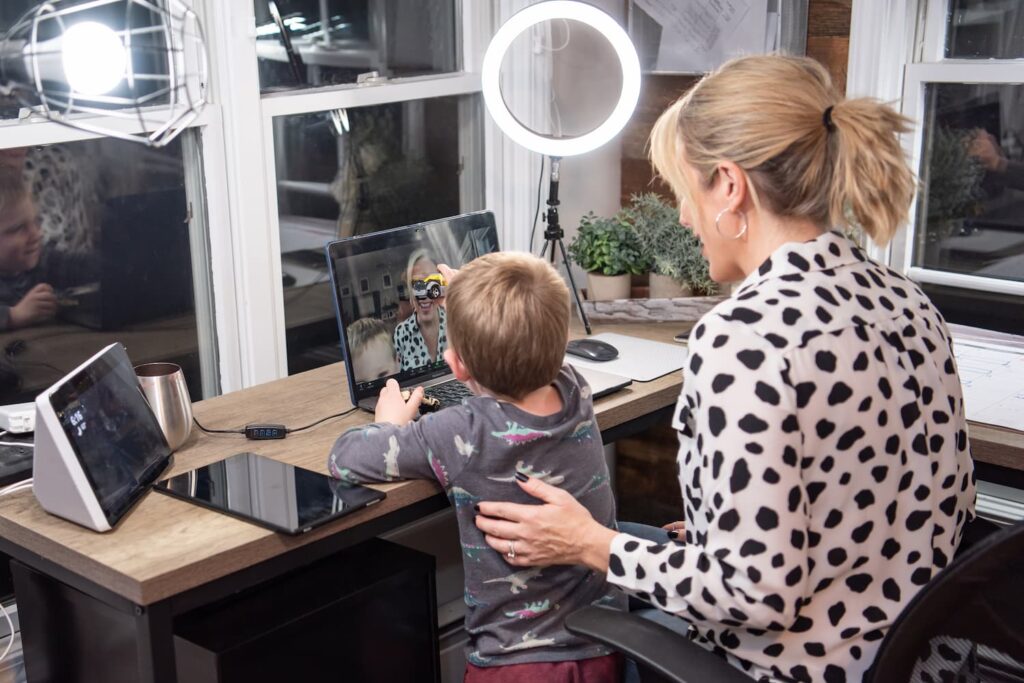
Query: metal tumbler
[(164, 387)]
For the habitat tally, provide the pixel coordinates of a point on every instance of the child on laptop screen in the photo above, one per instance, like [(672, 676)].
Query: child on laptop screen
[(508, 318)]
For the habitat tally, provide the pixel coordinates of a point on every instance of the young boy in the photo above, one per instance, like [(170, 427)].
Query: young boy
[(508, 318), (28, 273), (372, 352)]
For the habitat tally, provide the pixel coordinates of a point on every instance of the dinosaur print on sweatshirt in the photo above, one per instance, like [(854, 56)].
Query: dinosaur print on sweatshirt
[(522, 467), (529, 640), (530, 610), (518, 581), (515, 435)]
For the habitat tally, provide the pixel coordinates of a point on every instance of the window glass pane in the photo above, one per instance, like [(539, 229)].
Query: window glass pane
[(331, 42), (148, 53), (94, 248), (985, 29), (397, 164), (987, 310), (971, 215)]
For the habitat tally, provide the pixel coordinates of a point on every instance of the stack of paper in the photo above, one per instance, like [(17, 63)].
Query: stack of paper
[(991, 367)]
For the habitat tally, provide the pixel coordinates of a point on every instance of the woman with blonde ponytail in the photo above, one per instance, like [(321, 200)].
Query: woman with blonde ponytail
[(824, 463)]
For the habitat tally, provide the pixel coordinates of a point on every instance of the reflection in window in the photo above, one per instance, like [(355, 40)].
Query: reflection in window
[(331, 42), (985, 29), (971, 215), (395, 165), (94, 248)]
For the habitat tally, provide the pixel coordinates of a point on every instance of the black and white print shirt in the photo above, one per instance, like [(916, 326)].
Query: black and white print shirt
[(412, 348), (824, 465)]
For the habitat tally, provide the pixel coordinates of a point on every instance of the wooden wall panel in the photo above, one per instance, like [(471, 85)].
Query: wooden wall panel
[(828, 41)]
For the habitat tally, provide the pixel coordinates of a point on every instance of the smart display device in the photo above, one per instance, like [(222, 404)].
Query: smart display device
[(98, 445), (270, 493)]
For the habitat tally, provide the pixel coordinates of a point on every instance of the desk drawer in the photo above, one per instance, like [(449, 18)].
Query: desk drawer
[(365, 614)]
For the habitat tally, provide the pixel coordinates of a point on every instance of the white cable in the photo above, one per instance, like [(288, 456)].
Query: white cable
[(17, 443), (18, 486), (10, 625)]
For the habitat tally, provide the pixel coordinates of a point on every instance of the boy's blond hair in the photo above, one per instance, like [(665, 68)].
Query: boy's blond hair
[(508, 319), (365, 330)]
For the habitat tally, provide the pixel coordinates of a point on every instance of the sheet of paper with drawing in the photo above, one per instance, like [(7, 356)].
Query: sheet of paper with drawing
[(992, 376), (699, 35)]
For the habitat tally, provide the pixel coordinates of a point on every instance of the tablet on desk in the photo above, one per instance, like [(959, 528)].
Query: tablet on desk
[(270, 493)]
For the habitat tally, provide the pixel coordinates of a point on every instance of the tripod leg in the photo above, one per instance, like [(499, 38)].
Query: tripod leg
[(572, 285)]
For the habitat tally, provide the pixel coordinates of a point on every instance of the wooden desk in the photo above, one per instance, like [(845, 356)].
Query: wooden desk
[(168, 557)]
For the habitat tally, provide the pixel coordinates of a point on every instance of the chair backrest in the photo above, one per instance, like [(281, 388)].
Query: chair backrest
[(969, 618)]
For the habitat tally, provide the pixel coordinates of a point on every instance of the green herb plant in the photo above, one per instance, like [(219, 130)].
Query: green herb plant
[(607, 246), (673, 250)]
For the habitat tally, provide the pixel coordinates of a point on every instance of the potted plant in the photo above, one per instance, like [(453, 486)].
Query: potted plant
[(679, 269), (609, 251)]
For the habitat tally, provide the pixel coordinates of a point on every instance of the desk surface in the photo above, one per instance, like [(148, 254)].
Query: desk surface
[(166, 546)]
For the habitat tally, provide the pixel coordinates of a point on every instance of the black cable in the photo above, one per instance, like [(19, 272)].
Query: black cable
[(290, 431), (217, 431), (536, 213), (324, 419)]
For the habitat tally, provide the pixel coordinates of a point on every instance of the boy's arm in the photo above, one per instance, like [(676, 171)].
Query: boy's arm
[(386, 452)]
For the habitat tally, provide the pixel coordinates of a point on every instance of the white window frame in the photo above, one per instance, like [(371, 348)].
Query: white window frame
[(214, 287), (252, 183), (897, 48)]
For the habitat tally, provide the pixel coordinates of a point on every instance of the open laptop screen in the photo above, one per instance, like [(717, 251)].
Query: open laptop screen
[(388, 297)]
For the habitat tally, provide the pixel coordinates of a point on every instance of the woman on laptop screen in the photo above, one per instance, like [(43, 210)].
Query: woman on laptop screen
[(420, 339)]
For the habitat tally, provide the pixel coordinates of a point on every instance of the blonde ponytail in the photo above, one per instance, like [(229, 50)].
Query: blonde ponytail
[(871, 176), (766, 113)]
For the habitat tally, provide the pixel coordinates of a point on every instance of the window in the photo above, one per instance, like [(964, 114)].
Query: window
[(391, 165), (964, 87), (103, 240), (314, 43), (341, 158)]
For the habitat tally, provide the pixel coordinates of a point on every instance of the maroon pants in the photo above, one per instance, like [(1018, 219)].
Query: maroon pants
[(607, 669)]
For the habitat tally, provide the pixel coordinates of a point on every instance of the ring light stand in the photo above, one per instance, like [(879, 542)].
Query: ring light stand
[(556, 148)]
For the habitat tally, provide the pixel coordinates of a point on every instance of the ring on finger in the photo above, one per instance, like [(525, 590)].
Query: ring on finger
[(511, 554)]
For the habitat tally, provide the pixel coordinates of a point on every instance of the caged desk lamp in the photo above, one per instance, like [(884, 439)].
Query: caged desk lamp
[(74, 61), (554, 146)]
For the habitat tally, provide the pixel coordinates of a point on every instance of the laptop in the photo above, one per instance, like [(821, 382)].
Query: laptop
[(145, 264), (384, 284)]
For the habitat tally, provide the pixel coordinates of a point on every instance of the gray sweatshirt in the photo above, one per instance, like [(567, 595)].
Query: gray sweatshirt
[(514, 615)]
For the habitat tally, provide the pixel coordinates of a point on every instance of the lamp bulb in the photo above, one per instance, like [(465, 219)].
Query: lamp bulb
[(94, 58)]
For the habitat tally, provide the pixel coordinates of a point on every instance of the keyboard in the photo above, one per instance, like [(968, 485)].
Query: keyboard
[(449, 393)]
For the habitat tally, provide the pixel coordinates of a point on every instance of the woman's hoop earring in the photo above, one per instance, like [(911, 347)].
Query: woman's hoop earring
[(743, 230)]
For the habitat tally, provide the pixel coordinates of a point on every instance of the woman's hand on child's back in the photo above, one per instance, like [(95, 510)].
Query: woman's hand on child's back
[(391, 407), (38, 305)]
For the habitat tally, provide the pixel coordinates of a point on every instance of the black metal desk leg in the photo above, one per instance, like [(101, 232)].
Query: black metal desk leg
[(155, 643)]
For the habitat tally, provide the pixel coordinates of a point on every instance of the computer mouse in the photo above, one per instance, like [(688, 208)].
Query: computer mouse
[(592, 349)]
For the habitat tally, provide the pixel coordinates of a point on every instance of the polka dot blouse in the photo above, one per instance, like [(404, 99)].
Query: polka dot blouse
[(824, 466), (412, 347)]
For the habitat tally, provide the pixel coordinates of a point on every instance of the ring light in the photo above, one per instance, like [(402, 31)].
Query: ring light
[(600, 22)]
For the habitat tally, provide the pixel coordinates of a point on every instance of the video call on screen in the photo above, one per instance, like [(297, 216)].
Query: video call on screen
[(390, 295), (106, 419)]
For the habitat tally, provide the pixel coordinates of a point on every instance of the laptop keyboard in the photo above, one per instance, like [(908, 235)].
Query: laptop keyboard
[(449, 393)]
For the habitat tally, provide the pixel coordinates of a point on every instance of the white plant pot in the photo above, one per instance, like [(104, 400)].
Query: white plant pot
[(664, 287), (607, 287)]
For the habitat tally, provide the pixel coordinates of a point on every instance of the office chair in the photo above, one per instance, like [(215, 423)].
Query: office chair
[(969, 620)]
